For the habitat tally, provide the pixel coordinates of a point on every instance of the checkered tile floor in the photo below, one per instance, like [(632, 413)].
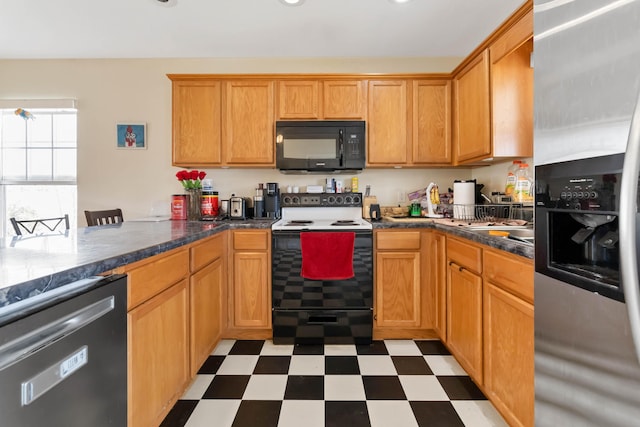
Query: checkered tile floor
[(391, 383)]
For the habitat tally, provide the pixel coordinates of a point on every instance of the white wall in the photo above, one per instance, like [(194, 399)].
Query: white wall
[(142, 181)]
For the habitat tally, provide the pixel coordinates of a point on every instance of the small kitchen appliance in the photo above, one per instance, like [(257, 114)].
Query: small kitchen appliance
[(237, 207), (327, 310), (272, 201)]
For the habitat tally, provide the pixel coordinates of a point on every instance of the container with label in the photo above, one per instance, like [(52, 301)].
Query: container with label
[(522, 189), (209, 203), (511, 177), (179, 207), (354, 184)]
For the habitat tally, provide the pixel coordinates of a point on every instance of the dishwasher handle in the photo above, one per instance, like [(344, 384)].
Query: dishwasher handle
[(22, 347)]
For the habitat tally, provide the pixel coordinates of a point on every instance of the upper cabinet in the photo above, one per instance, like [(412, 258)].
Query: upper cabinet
[(196, 123), (431, 127), (247, 131), (321, 99), (472, 112), (388, 137), (493, 95), (219, 122), (512, 90)]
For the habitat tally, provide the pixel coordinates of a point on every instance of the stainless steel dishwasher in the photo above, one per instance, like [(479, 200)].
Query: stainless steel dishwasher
[(63, 357)]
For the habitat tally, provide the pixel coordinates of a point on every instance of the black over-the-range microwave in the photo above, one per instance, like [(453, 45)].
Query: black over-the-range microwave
[(320, 146)]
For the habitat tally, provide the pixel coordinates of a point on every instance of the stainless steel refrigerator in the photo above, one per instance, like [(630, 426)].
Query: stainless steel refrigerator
[(587, 154)]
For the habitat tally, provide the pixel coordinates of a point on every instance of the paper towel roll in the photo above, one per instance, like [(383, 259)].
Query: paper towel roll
[(464, 198)]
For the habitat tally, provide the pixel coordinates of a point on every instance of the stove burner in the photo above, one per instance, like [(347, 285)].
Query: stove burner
[(345, 222)]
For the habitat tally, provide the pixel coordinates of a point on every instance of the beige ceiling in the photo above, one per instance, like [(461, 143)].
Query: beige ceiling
[(246, 28)]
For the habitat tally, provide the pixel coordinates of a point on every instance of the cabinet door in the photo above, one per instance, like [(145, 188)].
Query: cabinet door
[(472, 134), (435, 278), (464, 318), (344, 99), (196, 123), (251, 296), (206, 321), (509, 355), (431, 140), (388, 142), (398, 289), (299, 99), (158, 355), (248, 123)]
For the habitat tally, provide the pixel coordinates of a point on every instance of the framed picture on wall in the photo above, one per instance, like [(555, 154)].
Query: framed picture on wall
[(131, 136)]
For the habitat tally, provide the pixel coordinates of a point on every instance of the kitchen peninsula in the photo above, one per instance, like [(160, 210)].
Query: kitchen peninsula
[(181, 277)]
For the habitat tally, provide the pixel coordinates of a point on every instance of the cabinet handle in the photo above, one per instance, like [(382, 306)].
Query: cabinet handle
[(460, 269)]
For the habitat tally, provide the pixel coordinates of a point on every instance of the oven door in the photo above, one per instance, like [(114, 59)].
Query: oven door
[(321, 311)]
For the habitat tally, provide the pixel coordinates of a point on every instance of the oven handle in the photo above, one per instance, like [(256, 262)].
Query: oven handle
[(627, 228)]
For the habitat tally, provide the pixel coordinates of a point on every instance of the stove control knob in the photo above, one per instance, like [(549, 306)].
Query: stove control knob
[(356, 200), (286, 200), (331, 200), (348, 200), (295, 200), (339, 200)]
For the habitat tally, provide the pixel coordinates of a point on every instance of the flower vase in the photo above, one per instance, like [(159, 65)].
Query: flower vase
[(193, 205)]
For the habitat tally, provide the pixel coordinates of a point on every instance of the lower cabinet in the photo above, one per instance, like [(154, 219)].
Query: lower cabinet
[(158, 355), (205, 312), (464, 318), (434, 254), (508, 336), (250, 293)]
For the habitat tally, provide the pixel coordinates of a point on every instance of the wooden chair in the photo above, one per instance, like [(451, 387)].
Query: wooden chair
[(112, 216), (30, 225)]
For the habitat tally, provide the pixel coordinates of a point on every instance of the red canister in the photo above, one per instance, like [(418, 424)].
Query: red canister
[(179, 207), (209, 204)]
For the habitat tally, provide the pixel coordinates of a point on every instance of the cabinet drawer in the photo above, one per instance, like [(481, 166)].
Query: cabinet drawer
[(464, 254), (205, 252), (392, 240), (158, 274), (251, 240), (509, 273)]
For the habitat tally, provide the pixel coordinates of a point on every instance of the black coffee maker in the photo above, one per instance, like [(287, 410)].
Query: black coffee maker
[(272, 201)]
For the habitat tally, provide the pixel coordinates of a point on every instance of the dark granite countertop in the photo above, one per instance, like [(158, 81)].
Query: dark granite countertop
[(508, 245), (30, 265)]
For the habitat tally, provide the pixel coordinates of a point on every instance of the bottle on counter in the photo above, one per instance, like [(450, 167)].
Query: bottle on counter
[(354, 184), (523, 186), (511, 177), (258, 202)]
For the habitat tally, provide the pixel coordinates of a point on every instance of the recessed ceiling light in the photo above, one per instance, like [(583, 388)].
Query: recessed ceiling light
[(292, 2)]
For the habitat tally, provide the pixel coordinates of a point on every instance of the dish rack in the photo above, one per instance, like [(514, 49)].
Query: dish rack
[(489, 213)]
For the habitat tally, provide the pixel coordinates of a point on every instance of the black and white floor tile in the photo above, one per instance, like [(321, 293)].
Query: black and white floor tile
[(397, 383)]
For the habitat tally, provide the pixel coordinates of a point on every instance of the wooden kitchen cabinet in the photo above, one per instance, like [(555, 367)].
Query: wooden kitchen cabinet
[(512, 90), (472, 110), (250, 293), (196, 120), (431, 124), (158, 336), (509, 336), (321, 99), (206, 292), (388, 141), (299, 99), (248, 117), (464, 305), (434, 267), (397, 279)]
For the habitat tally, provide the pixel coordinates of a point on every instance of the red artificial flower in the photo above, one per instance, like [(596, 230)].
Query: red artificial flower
[(191, 179)]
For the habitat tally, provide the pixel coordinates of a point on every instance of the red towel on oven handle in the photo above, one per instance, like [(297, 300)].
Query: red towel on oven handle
[(327, 255)]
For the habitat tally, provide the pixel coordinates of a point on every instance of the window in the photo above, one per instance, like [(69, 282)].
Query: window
[(38, 154)]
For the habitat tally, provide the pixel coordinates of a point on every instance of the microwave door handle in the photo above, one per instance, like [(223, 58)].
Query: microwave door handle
[(341, 146), (627, 228)]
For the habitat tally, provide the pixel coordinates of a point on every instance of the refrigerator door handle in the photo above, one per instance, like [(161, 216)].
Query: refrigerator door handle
[(627, 228)]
